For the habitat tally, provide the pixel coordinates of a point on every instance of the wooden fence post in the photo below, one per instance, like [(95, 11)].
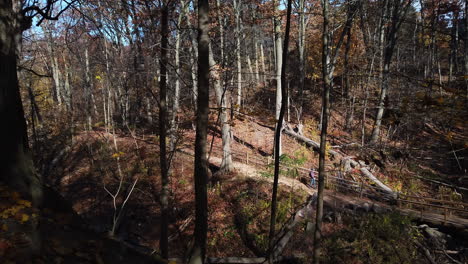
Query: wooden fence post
[(362, 188)]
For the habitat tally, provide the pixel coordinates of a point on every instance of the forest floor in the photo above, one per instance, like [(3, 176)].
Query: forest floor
[(89, 172), (239, 201)]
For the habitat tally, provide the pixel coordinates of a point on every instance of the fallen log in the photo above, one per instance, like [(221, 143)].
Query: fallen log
[(282, 238), (309, 142), (315, 145)]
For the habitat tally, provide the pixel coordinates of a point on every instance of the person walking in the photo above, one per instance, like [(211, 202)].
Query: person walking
[(312, 178)]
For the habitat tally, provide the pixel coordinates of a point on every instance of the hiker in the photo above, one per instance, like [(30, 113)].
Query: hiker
[(312, 177)]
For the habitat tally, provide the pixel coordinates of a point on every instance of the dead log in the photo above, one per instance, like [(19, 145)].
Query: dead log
[(371, 177), (282, 238), (309, 142), (315, 145)]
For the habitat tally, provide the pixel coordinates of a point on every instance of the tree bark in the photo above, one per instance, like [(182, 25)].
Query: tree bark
[(164, 237), (466, 50), (323, 132), (398, 14), (175, 105), (237, 7), (278, 64), (347, 84), (262, 59), (279, 127), (16, 164), (226, 163), (56, 73), (301, 47), (88, 91), (201, 166)]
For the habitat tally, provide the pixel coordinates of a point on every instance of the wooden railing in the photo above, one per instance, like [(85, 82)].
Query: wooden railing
[(425, 205), (334, 181)]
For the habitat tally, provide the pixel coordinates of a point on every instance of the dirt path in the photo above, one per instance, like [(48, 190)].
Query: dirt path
[(247, 171), (336, 199)]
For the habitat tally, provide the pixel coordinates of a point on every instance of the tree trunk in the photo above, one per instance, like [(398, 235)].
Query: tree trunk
[(262, 58), (323, 132), (221, 31), (201, 166), (279, 127), (237, 7), (257, 69), (88, 90), (175, 105), (301, 47), (466, 50), (56, 73), (16, 164), (398, 14), (279, 62), (226, 163), (279, 59), (347, 85), (164, 238)]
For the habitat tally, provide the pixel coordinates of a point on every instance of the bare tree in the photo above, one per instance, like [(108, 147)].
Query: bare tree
[(279, 62), (328, 67), (197, 255), (164, 239), (400, 8), (279, 128)]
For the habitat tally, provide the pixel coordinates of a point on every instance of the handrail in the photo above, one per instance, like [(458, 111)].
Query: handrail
[(359, 187), (434, 205), (436, 200)]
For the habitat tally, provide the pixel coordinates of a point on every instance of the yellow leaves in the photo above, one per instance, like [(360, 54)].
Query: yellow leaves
[(98, 77), (118, 154), (24, 218), (24, 203), (11, 211), (449, 135)]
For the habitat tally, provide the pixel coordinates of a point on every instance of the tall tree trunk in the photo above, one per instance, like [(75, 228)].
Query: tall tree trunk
[(279, 128), (16, 164), (323, 132), (67, 86), (221, 31), (88, 90), (301, 47), (257, 69), (175, 105), (56, 73), (262, 59), (279, 62), (201, 166), (193, 63), (226, 163), (193, 74), (398, 14), (347, 92), (237, 7), (466, 49), (164, 238), (328, 67)]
